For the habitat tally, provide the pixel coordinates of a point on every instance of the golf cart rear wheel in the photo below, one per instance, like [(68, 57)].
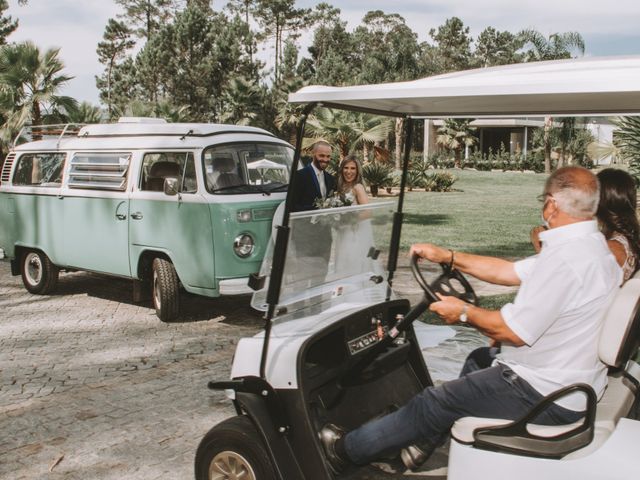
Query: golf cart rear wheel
[(165, 290), (233, 449), (39, 275)]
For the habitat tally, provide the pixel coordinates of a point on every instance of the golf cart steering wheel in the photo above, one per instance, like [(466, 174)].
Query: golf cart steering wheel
[(451, 283)]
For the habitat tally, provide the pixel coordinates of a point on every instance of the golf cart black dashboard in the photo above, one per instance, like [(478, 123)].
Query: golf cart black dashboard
[(351, 336)]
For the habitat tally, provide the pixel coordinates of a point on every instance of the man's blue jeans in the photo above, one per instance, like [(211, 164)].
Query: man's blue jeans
[(494, 392)]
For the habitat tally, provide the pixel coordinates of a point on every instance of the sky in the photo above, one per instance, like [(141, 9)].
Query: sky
[(76, 26)]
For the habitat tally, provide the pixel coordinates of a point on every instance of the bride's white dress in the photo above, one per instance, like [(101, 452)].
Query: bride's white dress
[(354, 238)]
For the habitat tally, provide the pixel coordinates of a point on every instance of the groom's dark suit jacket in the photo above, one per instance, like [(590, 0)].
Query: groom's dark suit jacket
[(306, 188), (311, 240)]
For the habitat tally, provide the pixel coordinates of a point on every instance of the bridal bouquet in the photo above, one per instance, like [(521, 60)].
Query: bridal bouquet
[(333, 200)]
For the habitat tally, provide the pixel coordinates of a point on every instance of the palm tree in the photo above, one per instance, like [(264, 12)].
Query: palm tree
[(627, 139), (348, 131), (30, 82), (556, 47), (456, 135), (86, 113), (163, 108), (240, 100)]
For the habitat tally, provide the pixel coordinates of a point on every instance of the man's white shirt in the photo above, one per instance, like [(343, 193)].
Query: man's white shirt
[(558, 311), (320, 176)]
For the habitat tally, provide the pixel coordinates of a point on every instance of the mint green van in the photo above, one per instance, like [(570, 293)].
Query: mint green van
[(165, 204)]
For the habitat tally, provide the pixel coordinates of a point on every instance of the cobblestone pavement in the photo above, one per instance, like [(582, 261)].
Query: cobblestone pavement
[(94, 386)]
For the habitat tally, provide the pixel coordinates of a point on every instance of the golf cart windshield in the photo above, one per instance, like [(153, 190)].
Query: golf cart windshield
[(335, 255)]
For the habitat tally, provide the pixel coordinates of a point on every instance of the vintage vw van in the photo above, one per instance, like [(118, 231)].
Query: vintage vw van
[(164, 204)]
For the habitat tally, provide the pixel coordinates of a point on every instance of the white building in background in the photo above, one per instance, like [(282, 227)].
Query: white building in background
[(512, 134)]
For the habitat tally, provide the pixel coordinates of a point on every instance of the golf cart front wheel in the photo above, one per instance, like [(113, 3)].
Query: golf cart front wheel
[(233, 449)]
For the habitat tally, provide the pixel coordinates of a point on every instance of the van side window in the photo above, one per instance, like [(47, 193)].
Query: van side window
[(100, 171), (158, 166), (39, 169)]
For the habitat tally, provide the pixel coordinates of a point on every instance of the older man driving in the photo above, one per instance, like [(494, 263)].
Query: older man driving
[(549, 334)]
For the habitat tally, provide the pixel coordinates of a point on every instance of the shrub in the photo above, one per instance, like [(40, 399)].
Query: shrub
[(439, 182), (376, 175)]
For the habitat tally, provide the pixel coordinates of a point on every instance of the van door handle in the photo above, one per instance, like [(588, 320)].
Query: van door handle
[(136, 216), (121, 216)]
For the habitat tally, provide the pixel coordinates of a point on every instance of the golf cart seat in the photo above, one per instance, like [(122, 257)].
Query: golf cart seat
[(618, 344)]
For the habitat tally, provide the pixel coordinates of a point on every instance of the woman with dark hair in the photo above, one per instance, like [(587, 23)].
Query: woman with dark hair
[(617, 217)]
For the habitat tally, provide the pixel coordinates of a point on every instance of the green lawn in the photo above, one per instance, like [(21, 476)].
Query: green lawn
[(490, 213)]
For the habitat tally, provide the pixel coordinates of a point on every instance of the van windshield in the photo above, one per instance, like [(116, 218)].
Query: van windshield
[(247, 168)]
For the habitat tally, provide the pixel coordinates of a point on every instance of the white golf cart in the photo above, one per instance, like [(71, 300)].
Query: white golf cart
[(339, 346)]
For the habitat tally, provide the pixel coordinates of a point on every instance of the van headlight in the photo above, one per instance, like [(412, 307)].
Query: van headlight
[(243, 216), (243, 245)]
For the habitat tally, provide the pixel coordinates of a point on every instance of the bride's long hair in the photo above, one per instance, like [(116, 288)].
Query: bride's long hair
[(358, 179)]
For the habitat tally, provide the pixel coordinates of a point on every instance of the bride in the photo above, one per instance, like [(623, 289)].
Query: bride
[(354, 237)]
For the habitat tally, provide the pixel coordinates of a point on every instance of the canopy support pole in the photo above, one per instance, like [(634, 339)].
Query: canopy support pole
[(282, 240), (398, 215)]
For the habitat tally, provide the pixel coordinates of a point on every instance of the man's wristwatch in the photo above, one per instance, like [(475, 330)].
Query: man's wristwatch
[(463, 316)]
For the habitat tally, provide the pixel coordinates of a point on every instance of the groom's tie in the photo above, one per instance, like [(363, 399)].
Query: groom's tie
[(323, 187)]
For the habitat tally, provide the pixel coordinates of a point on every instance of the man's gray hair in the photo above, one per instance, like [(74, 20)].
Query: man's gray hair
[(576, 191)]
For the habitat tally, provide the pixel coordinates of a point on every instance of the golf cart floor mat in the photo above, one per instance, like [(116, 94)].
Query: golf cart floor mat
[(434, 469)]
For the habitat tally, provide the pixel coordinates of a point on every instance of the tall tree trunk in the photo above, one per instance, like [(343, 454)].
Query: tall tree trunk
[(277, 53), (109, 73), (36, 119), (548, 121), (456, 157), (399, 128), (365, 152)]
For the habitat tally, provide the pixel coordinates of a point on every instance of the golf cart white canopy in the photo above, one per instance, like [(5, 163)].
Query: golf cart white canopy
[(586, 86)]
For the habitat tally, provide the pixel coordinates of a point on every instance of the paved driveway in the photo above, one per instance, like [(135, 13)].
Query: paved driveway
[(94, 386)]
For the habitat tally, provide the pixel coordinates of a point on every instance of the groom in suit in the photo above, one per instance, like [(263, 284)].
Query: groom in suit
[(313, 182), (312, 241)]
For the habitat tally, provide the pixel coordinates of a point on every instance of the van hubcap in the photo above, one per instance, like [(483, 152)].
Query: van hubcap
[(156, 291), (230, 466), (33, 268)]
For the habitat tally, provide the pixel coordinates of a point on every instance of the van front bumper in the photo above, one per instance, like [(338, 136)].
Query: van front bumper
[(234, 286)]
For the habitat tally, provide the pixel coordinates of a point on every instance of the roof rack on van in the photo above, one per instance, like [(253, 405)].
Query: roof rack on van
[(38, 132)]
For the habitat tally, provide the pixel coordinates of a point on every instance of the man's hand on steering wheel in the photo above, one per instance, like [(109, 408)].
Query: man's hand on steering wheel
[(431, 252), (448, 308)]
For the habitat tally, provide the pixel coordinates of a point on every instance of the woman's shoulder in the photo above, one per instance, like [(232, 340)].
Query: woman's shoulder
[(358, 187)]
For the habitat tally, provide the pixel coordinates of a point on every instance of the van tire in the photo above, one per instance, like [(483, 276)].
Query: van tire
[(234, 443), (165, 290), (39, 275)]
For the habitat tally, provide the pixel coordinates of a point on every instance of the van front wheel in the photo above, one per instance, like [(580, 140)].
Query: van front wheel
[(165, 290), (39, 275)]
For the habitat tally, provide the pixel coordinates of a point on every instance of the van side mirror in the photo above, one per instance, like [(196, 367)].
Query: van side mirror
[(170, 186)]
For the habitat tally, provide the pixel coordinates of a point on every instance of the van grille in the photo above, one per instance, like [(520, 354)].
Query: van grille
[(263, 213), (6, 169)]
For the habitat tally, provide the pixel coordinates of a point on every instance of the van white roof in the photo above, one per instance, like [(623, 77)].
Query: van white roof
[(136, 126), (586, 86), (143, 133)]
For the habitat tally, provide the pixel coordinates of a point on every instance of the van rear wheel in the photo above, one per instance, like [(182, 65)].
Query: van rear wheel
[(165, 290), (39, 275), (233, 449)]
